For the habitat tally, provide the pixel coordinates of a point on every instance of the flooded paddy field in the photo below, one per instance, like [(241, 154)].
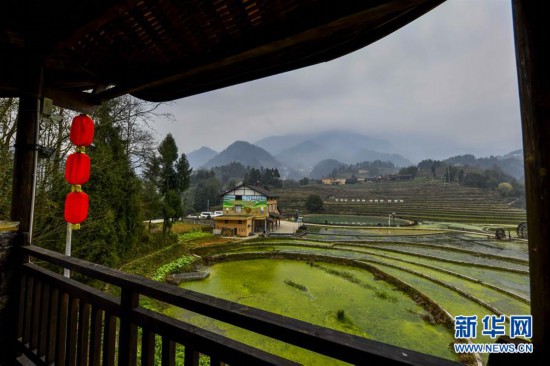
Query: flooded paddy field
[(367, 281), (321, 294)]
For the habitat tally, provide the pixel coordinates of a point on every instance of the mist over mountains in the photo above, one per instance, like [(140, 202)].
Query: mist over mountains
[(345, 147), (307, 155), (199, 157), (246, 154)]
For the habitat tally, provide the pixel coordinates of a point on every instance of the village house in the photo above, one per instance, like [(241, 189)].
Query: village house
[(248, 209), (333, 181)]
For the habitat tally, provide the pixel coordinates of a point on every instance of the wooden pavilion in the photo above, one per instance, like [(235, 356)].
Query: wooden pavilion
[(81, 53)]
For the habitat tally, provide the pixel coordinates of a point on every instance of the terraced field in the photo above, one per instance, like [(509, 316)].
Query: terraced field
[(420, 200), (464, 271), (448, 263)]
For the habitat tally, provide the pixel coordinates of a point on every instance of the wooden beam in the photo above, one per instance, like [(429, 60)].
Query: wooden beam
[(532, 40), (75, 100), (119, 9)]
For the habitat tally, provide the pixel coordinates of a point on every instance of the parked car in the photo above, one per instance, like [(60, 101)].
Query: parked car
[(206, 215), (217, 213), (192, 216)]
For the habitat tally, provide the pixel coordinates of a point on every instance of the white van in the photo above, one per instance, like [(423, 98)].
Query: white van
[(206, 215)]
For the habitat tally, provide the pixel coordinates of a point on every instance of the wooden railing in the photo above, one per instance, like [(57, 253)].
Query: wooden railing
[(64, 322)]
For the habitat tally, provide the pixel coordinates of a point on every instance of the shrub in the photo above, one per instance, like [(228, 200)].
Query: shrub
[(314, 203), (179, 265)]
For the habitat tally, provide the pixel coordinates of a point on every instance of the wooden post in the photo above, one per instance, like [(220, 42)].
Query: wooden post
[(128, 332), (24, 158), (532, 39), (22, 202)]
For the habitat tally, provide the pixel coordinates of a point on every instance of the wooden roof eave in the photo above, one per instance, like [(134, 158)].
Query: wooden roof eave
[(243, 67), (74, 80)]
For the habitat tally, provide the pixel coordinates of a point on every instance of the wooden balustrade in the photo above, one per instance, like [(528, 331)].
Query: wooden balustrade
[(65, 322)]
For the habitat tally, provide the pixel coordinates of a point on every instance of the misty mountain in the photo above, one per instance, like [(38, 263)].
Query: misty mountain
[(199, 157), (246, 154), (324, 168), (276, 144), (346, 147), (511, 163)]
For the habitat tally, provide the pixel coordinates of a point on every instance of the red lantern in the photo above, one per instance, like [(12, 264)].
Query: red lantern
[(76, 207), (82, 130), (77, 169)]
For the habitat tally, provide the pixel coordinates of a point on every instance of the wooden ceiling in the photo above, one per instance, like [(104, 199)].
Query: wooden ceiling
[(159, 50)]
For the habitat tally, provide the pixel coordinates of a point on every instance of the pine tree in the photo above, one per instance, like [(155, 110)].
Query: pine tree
[(174, 179)]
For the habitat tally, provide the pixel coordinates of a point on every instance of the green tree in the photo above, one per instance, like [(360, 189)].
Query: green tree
[(475, 180), (271, 178), (314, 203), (352, 180), (168, 154), (151, 196), (253, 177), (172, 209), (505, 189), (183, 173), (174, 179), (304, 181), (451, 174), (231, 184), (206, 191), (410, 170), (461, 177)]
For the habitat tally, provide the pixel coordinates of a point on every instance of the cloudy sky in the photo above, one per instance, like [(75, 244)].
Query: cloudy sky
[(443, 85)]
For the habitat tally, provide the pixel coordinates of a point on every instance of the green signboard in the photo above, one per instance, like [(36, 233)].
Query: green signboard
[(256, 205)]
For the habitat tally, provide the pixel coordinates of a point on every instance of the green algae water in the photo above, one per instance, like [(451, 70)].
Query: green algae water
[(338, 297)]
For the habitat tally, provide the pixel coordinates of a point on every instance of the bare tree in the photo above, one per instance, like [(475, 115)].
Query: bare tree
[(8, 114), (135, 119)]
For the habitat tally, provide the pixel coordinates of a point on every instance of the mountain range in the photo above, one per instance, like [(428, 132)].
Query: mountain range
[(307, 155), (346, 147), (296, 155)]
